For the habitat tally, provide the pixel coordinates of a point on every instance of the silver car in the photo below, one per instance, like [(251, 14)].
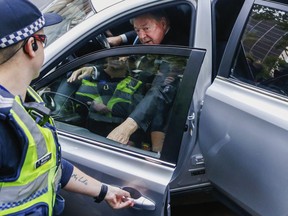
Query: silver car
[(227, 127)]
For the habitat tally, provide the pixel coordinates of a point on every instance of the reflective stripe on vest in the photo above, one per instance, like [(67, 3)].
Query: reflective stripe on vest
[(88, 91), (123, 92), (39, 174)]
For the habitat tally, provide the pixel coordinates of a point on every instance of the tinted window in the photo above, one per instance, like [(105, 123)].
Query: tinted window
[(121, 86), (262, 58)]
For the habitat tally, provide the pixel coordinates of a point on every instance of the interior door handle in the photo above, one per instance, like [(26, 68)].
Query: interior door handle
[(140, 201)]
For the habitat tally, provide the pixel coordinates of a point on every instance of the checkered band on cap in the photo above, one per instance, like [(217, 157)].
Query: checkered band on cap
[(23, 33)]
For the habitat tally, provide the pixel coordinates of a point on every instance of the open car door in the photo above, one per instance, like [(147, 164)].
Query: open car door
[(244, 121), (82, 132)]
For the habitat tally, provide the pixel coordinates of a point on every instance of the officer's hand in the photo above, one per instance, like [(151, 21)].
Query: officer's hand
[(123, 132), (99, 107), (80, 74), (117, 198), (168, 80)]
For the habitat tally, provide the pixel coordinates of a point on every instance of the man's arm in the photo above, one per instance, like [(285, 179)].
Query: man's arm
[(80, 74), (126, 38), (145, 111), (123, 132), (140, 117)]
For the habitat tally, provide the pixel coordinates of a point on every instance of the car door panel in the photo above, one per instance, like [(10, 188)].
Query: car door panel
[(243, 139), (243, 126), (117, 169), (146, 172)]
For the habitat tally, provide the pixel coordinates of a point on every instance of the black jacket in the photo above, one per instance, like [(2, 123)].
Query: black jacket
[(152, 112)]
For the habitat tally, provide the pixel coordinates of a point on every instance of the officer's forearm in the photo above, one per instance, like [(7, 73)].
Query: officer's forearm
[(84, 184)]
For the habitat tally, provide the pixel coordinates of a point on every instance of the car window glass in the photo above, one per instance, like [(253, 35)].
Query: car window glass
[(115, 88), (73, 12), (262, 58)]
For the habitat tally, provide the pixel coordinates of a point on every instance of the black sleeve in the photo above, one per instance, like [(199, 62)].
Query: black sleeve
[(155, 103), (131, 35), (67, 170), (11, 148)]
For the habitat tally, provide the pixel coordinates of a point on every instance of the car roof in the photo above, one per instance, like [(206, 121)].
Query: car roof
[(99, 5)]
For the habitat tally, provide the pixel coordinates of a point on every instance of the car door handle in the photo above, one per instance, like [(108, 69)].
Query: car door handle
[(140, 201), (143, 203)]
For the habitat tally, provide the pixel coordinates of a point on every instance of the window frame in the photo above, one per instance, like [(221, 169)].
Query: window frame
[(170, 150)]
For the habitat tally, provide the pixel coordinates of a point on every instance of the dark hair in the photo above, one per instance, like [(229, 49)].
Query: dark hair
[(8, 52)]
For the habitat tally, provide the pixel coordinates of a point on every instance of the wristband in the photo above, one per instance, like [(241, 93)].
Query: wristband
[(102, 194), (123, 38), (94, 73)]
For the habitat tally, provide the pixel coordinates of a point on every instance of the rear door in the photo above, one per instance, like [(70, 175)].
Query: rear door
[(82, 132), (244, 121)]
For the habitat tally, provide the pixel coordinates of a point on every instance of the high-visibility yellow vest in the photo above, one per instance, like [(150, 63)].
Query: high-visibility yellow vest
[(35, 186), (123, 93)]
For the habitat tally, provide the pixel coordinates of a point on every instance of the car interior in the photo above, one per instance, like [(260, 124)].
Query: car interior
[(225, 12), (179, 17)]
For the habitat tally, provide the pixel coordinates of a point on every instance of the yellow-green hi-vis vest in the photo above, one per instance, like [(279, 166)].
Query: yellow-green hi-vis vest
[(33, 190), (123, 92)]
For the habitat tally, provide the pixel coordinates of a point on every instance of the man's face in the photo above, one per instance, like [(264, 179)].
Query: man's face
[(117, 62), (149, 30), (116, 67)]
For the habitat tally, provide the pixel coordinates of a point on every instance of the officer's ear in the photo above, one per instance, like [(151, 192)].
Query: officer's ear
[(34, 45), (30, 47)]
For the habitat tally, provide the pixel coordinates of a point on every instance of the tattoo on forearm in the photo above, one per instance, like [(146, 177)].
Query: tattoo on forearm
[(81, 179)]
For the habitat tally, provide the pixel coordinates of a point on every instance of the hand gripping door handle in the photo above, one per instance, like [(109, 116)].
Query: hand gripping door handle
[(140, 202)]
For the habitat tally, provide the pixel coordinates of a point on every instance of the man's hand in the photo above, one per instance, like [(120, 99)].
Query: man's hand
[(123, 132), (80, 74), (168, 80), (114, 40)]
